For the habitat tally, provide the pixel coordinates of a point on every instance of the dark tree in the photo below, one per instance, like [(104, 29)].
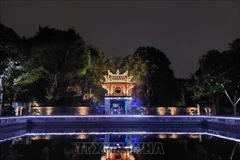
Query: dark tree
[(10, 52), (114, 63), (56, 58), (88, 86), (155, 80), (219, 72)]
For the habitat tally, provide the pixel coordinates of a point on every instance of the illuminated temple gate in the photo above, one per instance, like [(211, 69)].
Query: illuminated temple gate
[(118, 96)]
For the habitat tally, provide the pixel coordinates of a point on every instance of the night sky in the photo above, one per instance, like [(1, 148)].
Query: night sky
[(183, 30)]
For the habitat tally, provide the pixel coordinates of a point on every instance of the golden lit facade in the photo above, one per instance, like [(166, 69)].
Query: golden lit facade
[(118, 96)]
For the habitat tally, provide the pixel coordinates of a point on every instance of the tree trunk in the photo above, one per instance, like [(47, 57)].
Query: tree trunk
[(1, 94), (234, 110), (148, 95), (235, 104), (54, 82), (233, 101), (233, 151), (83, 93), (215, 104)]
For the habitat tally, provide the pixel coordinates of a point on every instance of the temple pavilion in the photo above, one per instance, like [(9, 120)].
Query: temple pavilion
[(118, 96)]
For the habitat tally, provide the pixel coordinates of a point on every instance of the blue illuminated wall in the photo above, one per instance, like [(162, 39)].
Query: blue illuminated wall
[(118, 105)]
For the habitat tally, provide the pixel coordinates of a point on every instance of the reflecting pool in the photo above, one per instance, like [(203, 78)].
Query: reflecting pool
[(112, 143)]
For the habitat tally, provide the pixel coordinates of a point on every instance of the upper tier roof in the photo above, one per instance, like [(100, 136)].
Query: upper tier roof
[(118, 77)]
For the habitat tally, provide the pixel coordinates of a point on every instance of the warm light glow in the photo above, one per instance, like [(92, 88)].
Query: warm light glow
[(47, 137), (173, 136), (18, 139), (193, 136), (192, 110), (81, 136), (161, 110), (35, 104), (123, 155), (44, 110), (49, 111), (134, 133), (162, 136), (173, 110), (83, 111), (37, 135)]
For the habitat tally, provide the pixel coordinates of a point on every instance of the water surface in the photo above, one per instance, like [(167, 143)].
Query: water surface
[(139, 143)]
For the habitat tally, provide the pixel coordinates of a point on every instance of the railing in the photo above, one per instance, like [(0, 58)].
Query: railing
[(120, 119), (13, 120)]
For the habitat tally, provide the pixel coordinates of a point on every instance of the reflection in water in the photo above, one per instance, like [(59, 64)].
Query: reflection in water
[(119, 147)]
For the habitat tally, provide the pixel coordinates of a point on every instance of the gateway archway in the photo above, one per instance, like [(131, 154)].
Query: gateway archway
[(118, 96)]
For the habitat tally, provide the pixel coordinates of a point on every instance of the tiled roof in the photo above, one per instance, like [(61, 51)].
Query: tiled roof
[(111, 77)]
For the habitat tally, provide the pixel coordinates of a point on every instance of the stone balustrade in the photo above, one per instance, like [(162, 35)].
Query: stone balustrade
[(10, 121), (14, 127), (117, 119), (120, 119)]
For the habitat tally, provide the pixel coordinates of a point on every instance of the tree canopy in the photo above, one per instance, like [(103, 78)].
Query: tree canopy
[(58, 67), (155, 79), (10, 53), (56, 58), (219, 72)]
